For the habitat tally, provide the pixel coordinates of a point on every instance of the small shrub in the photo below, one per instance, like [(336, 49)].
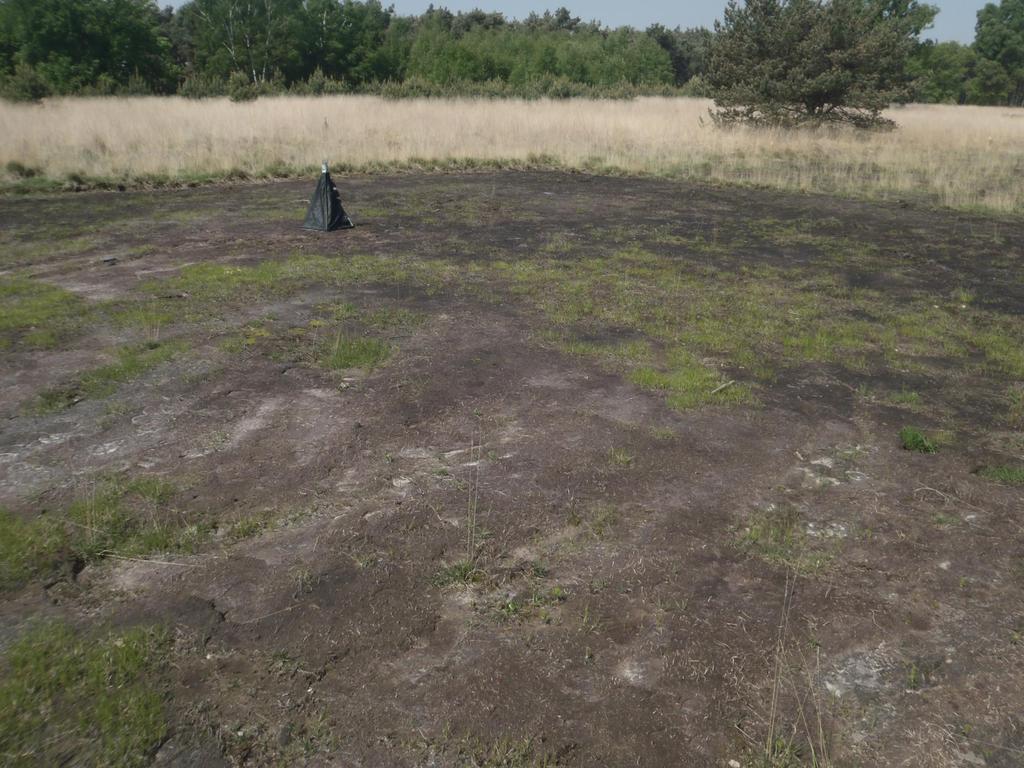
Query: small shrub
[(22, 171), (136, 86), (203, 87), (318, 84), (241, 88), (24, 85), (914, 439)]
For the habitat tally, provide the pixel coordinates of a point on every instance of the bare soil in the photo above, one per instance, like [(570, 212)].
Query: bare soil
[(616, 617)]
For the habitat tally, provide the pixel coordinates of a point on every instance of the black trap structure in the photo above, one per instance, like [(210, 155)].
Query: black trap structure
[(325, 212)]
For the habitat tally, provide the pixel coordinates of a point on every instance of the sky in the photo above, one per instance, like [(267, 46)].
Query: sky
[(955, 21)]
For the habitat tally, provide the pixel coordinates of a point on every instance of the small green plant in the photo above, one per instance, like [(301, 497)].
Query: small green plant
[(1005, 475), (98, 700), (914, 439), (509, 610), (913, 677), (785, 753), (921, 673)]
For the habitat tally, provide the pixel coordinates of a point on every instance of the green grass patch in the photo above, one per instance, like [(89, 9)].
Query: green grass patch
[(1015, 411), (36, 314), (69, 699), (620, 457), (1005, 475), (905, 397), (127, 517), (913, 439), (148, 314), (599, 519), (247, 528), (208, 283), (248, 337), (392, 318), (758, 320), (353, 352), (777, 536), (688, 383), (463, 572), (132, 361), (28, 549)]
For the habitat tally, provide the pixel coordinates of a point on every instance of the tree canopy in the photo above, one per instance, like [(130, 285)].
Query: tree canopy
[(819, 59), (791, 62)]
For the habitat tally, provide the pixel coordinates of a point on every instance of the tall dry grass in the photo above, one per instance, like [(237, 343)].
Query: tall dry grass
[(964, 157)]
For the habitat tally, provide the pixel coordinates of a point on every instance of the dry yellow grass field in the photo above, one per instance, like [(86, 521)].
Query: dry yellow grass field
[(962, 157)]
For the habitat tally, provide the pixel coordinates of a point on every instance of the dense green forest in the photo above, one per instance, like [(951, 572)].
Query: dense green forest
[(244, 48)]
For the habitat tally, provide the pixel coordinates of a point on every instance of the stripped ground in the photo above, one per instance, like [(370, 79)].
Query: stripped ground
[(526, 469)]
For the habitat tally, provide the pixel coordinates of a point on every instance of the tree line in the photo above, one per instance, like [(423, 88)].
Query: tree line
[(245, 48)]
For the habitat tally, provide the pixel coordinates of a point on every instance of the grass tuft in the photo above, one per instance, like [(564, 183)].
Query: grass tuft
[(690, 384), (358, 352), (914, 439), (462, 572), (1005, 475)]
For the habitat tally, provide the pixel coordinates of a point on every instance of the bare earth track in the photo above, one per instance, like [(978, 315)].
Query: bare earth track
[(627, 558)]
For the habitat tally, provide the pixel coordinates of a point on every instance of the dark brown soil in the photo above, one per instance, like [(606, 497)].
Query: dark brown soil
[(618, 618)]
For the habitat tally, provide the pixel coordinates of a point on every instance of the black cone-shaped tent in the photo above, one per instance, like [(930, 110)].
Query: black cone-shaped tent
[(325, 212)]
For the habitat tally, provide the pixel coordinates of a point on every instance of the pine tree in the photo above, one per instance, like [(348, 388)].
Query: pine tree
[(799, 62)]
